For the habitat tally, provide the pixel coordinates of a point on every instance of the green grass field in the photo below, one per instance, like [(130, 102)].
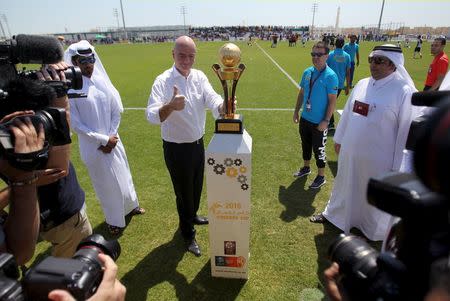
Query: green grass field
[(288, 253)]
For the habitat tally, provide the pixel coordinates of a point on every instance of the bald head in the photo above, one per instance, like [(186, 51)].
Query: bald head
[(184, 41), (184, 54)]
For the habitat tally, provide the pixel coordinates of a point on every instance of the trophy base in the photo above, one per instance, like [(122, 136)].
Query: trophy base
[(229, 125)]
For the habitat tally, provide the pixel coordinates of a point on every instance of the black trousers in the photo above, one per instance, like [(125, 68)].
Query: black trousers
[(313, 140), (186, 162)]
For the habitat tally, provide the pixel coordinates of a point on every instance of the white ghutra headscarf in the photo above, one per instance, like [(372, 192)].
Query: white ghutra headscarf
[(394, 53), (82, 49)]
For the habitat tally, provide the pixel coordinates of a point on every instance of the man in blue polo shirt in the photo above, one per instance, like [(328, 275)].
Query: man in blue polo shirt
[(339, 61), (317, 97), (352, 49)]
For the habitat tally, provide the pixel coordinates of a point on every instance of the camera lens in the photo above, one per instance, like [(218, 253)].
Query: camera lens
[(74, 77), (98, 242), (354, 256)]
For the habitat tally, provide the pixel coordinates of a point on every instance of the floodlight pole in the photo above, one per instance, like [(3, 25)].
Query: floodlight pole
[(314, 9), (381, 16), (183, 12), (116, 14), (123, 20)]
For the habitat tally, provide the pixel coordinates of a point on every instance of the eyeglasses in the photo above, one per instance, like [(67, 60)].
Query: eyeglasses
[(317, 54), (378, 60), (86, 60)]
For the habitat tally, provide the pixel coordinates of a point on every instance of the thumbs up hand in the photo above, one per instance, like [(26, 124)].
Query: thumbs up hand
[(178, 101)]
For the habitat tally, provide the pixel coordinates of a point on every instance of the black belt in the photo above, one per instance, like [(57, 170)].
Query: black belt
[(199, 141)]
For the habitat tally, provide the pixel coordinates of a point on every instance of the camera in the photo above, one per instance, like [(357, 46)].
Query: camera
[(421, 203), (56, 131), (31, 49), (80, 275)]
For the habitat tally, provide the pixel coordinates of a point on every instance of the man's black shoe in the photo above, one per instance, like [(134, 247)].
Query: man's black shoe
[(200, 220), (193, 247)]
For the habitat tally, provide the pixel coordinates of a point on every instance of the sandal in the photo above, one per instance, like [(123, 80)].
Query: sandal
[(318, 218), (137, 211), (114, 230)]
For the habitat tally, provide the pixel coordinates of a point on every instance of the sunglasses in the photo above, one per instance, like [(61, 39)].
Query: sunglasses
[(317, 54), (378, 60), (86, 60)]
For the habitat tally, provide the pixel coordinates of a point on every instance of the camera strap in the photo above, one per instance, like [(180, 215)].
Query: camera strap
[(29, 161)]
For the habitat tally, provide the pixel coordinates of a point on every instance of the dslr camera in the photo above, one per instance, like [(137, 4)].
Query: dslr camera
[(80, 275), (421, 204)]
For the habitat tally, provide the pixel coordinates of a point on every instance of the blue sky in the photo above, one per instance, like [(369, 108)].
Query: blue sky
[(52, 16)]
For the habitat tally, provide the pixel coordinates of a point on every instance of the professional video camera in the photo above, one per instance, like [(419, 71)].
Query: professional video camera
[(23, 91), (29, 49), (422, 203), (80, 275)]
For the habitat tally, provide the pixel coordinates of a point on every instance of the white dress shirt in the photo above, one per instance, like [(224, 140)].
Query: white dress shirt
[(187, 125)]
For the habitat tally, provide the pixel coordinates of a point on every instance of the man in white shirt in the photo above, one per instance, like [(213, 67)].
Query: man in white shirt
[(177, 102)]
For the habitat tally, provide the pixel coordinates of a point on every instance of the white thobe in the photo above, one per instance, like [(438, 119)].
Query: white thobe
[(94, 119), (371, 145)]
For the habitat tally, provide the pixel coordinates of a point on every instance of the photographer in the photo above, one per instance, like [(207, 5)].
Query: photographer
[(21, 227), (64, 222), (415, 260)]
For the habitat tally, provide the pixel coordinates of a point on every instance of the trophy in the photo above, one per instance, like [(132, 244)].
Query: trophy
[(229, 74)]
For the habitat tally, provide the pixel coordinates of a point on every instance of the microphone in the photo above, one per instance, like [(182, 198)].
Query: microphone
[(34, 49)]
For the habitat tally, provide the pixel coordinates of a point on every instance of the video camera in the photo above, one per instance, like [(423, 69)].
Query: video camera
[(34, 49), (23, 91), (421, 202), (80, 275)]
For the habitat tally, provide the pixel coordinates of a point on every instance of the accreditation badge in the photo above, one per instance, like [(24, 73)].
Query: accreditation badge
[(361, 108)]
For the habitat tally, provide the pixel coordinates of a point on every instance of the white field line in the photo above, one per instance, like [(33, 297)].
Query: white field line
[(279, 67), (239, 109)]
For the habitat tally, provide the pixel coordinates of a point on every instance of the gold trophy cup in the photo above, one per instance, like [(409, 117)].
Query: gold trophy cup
[(229, 74)]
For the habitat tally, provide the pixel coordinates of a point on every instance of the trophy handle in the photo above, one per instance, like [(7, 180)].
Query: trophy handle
[(241, 69), (216, 69)]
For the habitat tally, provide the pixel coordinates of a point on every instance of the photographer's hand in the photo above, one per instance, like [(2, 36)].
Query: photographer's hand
[(110, 288), (48, 176), (331, 277), (22, 224)]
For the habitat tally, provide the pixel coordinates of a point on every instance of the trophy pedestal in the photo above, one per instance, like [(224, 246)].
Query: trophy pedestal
[(228, 181), (229, 125)]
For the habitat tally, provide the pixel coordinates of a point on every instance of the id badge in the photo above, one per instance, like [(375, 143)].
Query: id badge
[(361, 108), (308, 106)]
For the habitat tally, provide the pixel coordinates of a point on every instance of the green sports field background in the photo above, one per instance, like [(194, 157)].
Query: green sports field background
[(288, 253)]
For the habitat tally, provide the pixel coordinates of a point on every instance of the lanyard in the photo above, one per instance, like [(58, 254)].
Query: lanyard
[(312, 82)]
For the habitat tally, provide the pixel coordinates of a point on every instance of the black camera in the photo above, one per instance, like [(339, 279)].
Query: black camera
[(31, 49), (80, 275), (421, 203), (56, 131)]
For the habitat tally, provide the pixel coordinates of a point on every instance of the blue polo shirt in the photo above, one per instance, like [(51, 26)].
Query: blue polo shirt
[(325, 82), (339, 61), (351, 49)]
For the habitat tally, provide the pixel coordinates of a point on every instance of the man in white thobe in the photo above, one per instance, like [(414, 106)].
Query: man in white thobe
[(96, 120), (369, 140)]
